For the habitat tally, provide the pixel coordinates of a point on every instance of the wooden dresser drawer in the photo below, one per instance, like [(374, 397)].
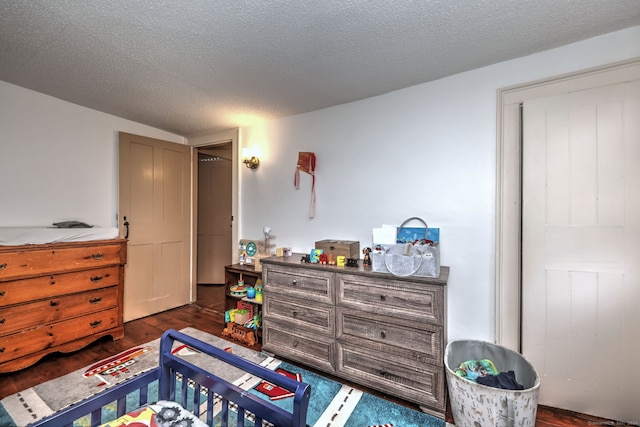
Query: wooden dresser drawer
[(32, 341), (303, 283), (395, 338), (424, 386), (26, 290), (315, 316), (23, 263), (32, 315), (420, 303), (315, 350)]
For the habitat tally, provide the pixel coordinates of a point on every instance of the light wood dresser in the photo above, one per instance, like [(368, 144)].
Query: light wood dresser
[(58, 297), (381, 331)]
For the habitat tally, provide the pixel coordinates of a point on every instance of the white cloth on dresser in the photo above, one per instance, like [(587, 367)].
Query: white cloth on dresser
[(15, 236)]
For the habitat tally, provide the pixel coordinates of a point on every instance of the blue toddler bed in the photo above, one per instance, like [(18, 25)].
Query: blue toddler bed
[(207, 398)]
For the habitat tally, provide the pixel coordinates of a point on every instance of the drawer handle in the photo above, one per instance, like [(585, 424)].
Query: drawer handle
[(294, 282), (383, 298), (97, 256), (295, 344), (295, 314), (96, 279), (95, 324), (53, 303), (3, 266), (2, 293), (2, 321), (2, 350), (95, 300), (383, 373), (383, 334)]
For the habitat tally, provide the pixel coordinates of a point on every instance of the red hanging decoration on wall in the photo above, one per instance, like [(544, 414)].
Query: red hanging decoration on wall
[(307, 163)]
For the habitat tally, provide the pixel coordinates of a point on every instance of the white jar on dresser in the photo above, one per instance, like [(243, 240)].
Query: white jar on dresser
[(383, 332)]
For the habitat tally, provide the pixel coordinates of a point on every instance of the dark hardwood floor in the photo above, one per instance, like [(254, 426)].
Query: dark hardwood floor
[(207, 315)]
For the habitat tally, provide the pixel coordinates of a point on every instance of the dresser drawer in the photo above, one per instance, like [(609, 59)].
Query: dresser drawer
[(308, 284), (27, 290), (32, 315), (314, 350), (34, 340), (383, 335), (418, 302), (315, 316), (424, 386), (22, 263)]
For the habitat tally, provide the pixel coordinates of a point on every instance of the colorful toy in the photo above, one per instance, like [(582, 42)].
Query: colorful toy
[(314, 256), (243, 305), (243, 253), (323, 259), (230, 315), (258, 290), (367, 256), (251, 293), (238, 333), (242, 316), (238, 290), (341, 260)]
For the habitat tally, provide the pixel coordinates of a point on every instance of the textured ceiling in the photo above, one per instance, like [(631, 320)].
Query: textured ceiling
[(198, 66)]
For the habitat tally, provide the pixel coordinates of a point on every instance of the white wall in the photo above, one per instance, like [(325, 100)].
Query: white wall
[(426, 151), (59, 161)]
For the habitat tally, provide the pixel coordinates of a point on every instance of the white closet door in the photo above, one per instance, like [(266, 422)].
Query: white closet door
[(581, 249)]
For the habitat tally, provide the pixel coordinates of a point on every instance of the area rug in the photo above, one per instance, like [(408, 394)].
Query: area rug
[(332, 404)]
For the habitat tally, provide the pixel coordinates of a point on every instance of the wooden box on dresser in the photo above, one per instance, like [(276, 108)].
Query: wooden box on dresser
[(58, 297), (383, 332)]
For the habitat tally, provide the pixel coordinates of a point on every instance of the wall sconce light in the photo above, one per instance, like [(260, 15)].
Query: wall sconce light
[(250, 158)]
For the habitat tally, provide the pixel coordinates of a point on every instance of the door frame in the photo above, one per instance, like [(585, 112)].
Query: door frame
[(508, 257), (227, 136)]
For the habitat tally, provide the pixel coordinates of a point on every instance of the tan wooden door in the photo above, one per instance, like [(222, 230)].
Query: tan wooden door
[(581, 246), (154, 197)]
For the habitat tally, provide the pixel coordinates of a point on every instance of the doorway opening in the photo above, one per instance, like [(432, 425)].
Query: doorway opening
[(214, 222)]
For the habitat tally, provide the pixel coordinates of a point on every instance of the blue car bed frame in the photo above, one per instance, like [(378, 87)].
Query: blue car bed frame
[(176, 374)]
